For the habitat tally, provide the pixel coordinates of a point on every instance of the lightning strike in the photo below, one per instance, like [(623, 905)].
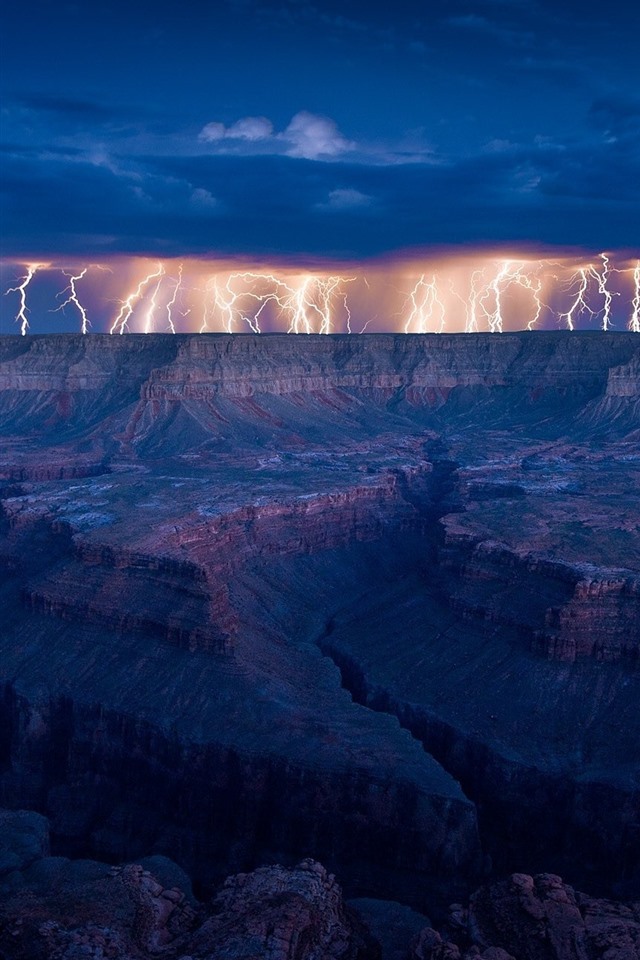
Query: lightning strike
[(119, 325), (601, 279), (73, 298), (325, 290), (535, 286), (579, 304), (151, 309), (171, 304), (208, 303), (472, 294), (21, 316), (234, 304), (494, 316), (471, 305), (425, 303), (472, 325), (634, 323)]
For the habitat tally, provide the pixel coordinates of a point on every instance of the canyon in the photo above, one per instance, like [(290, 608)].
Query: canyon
[(372, 600)]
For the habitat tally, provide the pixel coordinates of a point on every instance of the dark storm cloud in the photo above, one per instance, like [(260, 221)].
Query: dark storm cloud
[(86, 110), (584, 194), (319, 127)]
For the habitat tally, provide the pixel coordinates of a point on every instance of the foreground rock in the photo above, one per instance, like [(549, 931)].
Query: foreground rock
[(59, 909), (53, 908), (535, 918), (283, 915)]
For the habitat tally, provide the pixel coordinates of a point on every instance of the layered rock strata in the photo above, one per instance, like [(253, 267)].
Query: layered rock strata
[(186, 521)]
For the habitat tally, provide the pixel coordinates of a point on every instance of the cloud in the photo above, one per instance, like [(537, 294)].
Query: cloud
[(574, 193), (202, 199), (250, 129), (66, 106), (346, 198), (308, 135), (311, 136)]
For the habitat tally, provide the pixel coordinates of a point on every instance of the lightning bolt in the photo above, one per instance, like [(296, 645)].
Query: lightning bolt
[(470, 305), (73, 298), (601, 280), (424, 302), (495, 316), (204, 326), (171, 304), (119, 325), (634, 323), (579, 304), (308, 304), (21, 316), (299, 305), (232, 303), (472, 324), (535, 286), (324, 292), (151, 309)]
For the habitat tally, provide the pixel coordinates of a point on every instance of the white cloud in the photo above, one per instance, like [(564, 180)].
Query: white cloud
[(202, 199), (311, 136), (308, 136), (212, 132), (248, 128), (347, 199), (251, 128)]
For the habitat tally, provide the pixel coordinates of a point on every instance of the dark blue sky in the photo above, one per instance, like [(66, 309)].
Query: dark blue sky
[(319, 129)]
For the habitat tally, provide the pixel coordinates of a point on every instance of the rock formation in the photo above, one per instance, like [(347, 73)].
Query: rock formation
[(54, 908), (534, 918), (373, 600)]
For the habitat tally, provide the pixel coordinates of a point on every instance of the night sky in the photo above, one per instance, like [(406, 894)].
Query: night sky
[(331, 130)]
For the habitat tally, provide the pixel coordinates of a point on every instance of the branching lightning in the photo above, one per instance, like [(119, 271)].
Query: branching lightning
[(425, 304), (171, 303), (232, 304), (21, 316), (306, 304), (579, 305), (473, 293), (119, 325), (601, 279), (151, 309), (509, 273), (634, 323), (73, 298), (471, 304)]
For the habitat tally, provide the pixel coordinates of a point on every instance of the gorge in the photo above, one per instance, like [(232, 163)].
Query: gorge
[(372, 600)]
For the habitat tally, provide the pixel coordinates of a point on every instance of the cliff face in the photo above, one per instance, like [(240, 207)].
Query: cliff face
[(187, 519)]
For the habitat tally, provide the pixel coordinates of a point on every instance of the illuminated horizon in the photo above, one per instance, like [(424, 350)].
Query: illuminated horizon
[(464, 291)]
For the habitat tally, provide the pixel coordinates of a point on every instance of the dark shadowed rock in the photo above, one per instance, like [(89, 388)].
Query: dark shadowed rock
[(24, 838), (62, 909), (295, 914), (393, 924), (535, 918)]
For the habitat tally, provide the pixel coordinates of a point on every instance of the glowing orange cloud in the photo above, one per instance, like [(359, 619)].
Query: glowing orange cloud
[(469, 292)]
